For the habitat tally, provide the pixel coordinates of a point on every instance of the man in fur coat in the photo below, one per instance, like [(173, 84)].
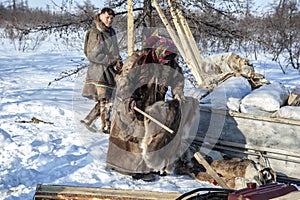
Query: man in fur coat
[(101, 49), (138, 146)]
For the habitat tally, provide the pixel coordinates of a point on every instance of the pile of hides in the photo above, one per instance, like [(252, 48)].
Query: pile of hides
[(236, 87), (237, 172), (217, 68)]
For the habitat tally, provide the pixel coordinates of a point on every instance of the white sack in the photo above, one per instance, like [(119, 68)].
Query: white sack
[(289, 112), (267, 98), (254, 110), (228, 94)]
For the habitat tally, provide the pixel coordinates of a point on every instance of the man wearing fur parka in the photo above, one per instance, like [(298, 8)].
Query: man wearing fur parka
[(101, 49), (139, 146)]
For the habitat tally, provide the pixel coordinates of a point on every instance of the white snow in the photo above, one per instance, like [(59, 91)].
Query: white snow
[(64, 152)]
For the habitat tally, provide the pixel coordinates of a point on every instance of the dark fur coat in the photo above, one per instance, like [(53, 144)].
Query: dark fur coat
[(136, 143), (101, 49)]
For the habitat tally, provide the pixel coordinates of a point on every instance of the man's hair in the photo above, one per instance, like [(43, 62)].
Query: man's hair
[(108, 11)]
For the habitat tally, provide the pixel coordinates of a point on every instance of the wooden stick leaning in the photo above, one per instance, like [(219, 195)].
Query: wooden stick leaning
[(178, 43), (170, 29), (183, 39), (130, 24), (183, 30), (194, 46), (182, 50), (210, 170), (154, 120), (189, 34)]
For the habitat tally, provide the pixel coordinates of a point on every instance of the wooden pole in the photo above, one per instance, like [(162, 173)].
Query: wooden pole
[(191, 40), (130, 29), (179, 42), (186, 42), (189, 34), (154, 120), (169, 29), (210, 170), (176, 40)]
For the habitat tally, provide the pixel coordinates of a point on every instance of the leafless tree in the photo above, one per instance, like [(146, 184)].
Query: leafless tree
[(281, 34), (217, 25)]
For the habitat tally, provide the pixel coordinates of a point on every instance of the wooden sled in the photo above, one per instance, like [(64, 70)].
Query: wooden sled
[(273, 142), (58, 192)]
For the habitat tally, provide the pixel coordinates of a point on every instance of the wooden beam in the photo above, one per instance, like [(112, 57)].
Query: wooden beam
[(57, 192), (187, 41), (130, 28), (251, 116), (189, 35), (210, 170), (182, 46)]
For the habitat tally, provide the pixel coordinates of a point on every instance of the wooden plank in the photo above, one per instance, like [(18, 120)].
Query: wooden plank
[(251, 116), (210, 170), (58, 192), (130, 29), (234, 148), (265, 118)]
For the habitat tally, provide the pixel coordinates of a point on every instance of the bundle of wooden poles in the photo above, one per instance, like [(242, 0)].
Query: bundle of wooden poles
[(182, 37)]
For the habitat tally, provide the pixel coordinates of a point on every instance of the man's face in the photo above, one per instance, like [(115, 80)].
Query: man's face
[(107, 19)]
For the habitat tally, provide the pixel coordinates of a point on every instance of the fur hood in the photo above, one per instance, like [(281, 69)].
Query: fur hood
[(100, 25)]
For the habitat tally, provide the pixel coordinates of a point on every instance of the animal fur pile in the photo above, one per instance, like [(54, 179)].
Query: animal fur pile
[(218, 68), (237, 172)]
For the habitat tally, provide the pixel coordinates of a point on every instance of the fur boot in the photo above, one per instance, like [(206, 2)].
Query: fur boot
[(105, 110), (93, 115)]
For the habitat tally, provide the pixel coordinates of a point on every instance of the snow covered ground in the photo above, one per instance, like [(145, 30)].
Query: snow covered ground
[(61, 151)]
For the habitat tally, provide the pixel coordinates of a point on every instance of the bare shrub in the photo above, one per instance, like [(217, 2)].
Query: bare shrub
[(281, 34)]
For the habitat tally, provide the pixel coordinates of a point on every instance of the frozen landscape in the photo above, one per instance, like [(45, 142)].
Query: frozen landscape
[(59, 150)]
